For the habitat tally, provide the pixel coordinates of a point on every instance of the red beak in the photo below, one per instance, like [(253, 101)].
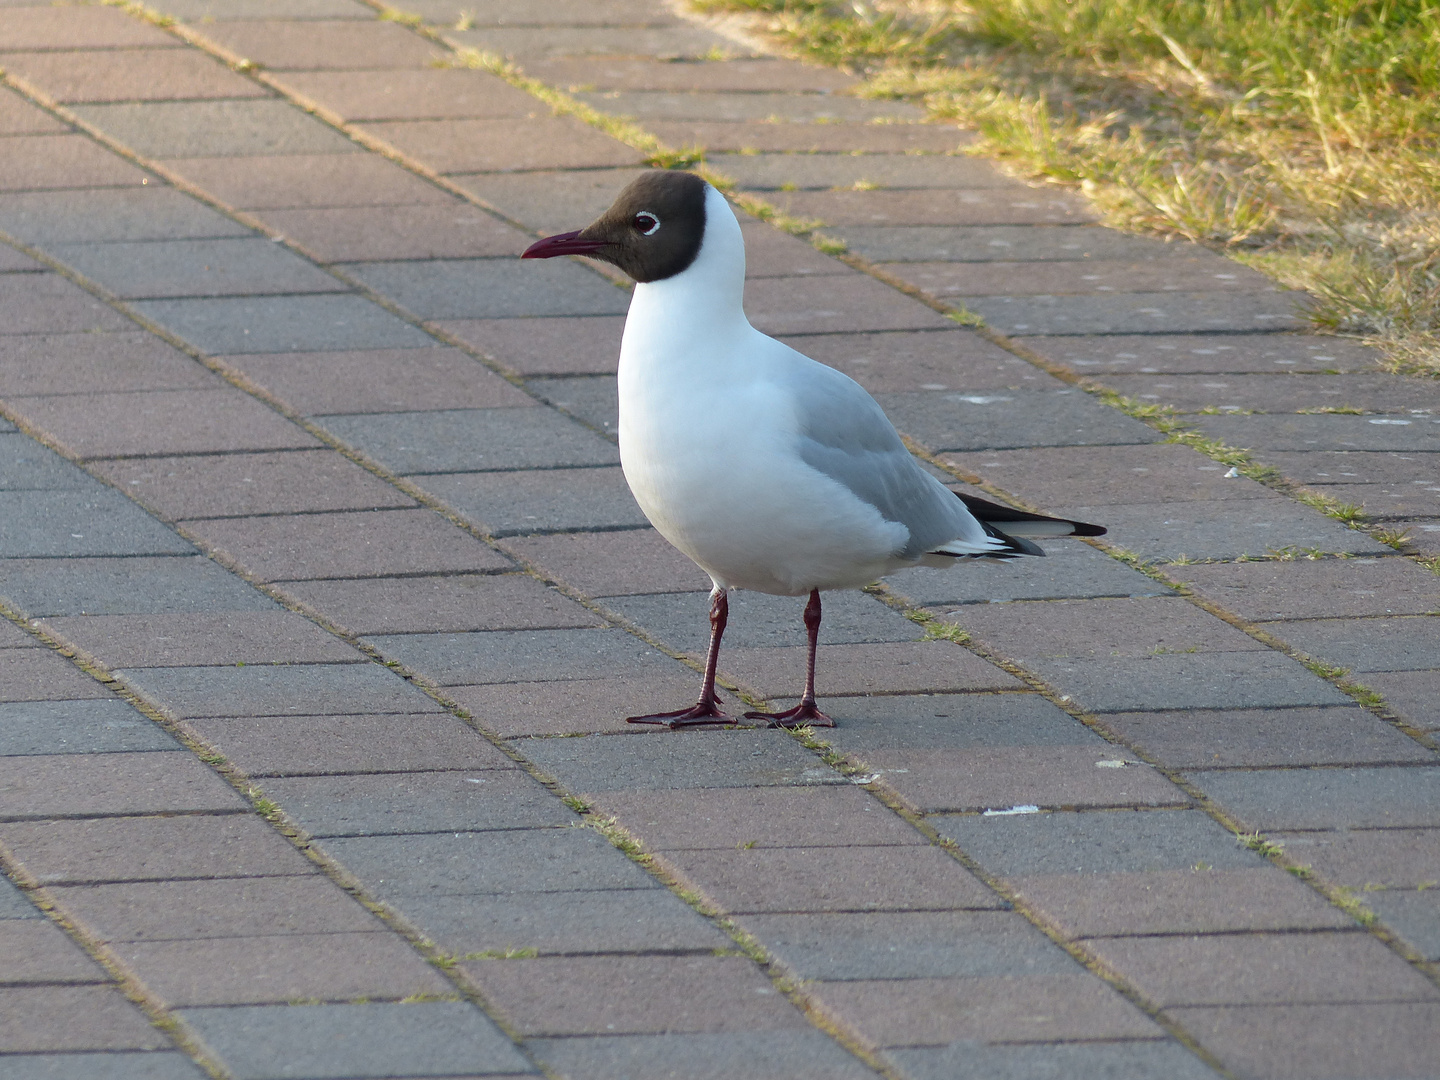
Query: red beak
[(564, 244)]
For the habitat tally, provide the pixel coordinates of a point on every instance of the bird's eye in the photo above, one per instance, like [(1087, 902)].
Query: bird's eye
[(645, 223)]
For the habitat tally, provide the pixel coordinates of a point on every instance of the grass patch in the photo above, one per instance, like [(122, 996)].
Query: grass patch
[(1302, 136)]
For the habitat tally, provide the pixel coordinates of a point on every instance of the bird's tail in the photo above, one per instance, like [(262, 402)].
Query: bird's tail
[(1013, 528)]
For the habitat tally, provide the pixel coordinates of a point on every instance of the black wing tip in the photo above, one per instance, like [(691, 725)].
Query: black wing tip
[(1085, 529), (986, 511)]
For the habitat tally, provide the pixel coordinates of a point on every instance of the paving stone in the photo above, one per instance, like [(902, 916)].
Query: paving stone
[(504, 144), (270, 324), (1014, 205), (272, 182), (652, 73), (396, 804), (291, 10), (1315, 589), (1265, 737), (790, 172), (633, 561), (520, 655), (566, 345), (1382, 502), (1327, 1042), (1262, 969), (16, 262), (1070, 277), (1004, 243), (280, 968), (26, 465), (1319, 468), (542, 500), (1374, 644), (376, 543), (425, 94), (1114, 313), (38, 951), (1121, 841), (554, 13), (45, 28), (71, 1018), (1205, 354), (189, 129), (833, 304), (509, 861), (226, 267), (1289, 392), (524, 42), (763, 105), (226, 908), (967, 1059), (323, 45), (548, 200), (758, 1055), (152, 848), (1197, 901), (40, 786), (113, 1065), (47, 303), (750, 817), (758, 620), (718, 136), (1327, 798), (193, 639), (901, 361), (491, 288), (908, 945), (19, 117), (442, 1038), (148, 422), (1198, 681), (278, 690), (469, 440), (347, 234), (86, 726), (13, 637), (1070, 570), (450, 603), (854, 878), (1368, 858), (318, 745), (1011, 419), (886, 668), (1415, 916), (120, 586), (152, 212), (132, 75), (576, 706), (241, 485), (772, 253), (45, 675), (380, 380), (952, 721), (1422, 536), (935, 1012), (592, 399), (1411, 695), (14, 904), (1324, 432), (80, 363), (52, 162)]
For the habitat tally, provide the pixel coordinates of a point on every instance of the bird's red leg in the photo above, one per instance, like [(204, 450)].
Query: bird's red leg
[(807, 712), (707, 709)]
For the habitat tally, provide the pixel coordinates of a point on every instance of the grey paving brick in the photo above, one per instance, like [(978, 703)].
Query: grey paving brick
[(813, 138), (521, 655), (45, 675), (48, 587), (757, 105), (1413, 695), (654, 73), (196, 640), (682, 621), (987, 243), (47, 303), (26, 465), (1327, 467), (1399, 644), (705, 760), (107, 1065), (226, 267), (81, 523), (951, 721), (14, 904), (594, 399), (235, 128), (549, 500), (849, 303), (508, 861), (204, 11), (322, 1041), (396, 803), (492, 288), (469, 440), (284, 324), (1316, 588), (793, 171), (1113, 841), (19, 117), (279, 690), (1012, 419), (1325, 432), (1139, 312), (91, 785), (1250, 680), (550, 201), (573, 344), (1205, 353), (40, 952), (1070, 570), (1327, 798), (79, 727), (525, 42), (1414, 915), (1015, 205), (74, 1018), (152, 212), (755, 1055), (68, 161), (970, 1059)]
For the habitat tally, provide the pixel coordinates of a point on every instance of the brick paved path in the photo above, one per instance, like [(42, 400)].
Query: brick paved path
[(313, 544)]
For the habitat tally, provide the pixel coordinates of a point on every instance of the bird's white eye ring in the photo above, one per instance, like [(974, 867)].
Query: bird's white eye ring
[(645, 223)]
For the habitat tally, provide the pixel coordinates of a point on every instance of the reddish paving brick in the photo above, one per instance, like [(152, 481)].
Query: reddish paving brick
[(575, 345), (425, 94), (1170, 272), (318, 745), (1396, 858), (908, 667), (811, 138), (451, 603), (573, 707), (202, 639), (1262, 969), (905, 361), (38, 951), (612, 563), (1318, 589), (1001, 206), (736, 818), (47, 303), (503, 145), (1024, 1008), (53, 1019), (1071, 777), (635, 73), (40, 27), (19, 117), (80, 363), (128, 783), (131, 75), (52, 162), (619, 995), (151, 848), (163, 422), (772, 253), (888, 878), (44, 675), (376, 543), (1178, 902), (810, 305), (353, 234), (324, 45), (238, 485), (308, 180)]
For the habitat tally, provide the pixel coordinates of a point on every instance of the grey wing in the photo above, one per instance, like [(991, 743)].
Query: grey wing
[(845, 435)]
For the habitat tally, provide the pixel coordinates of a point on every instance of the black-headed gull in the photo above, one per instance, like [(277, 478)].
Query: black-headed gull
[(771, 471)]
